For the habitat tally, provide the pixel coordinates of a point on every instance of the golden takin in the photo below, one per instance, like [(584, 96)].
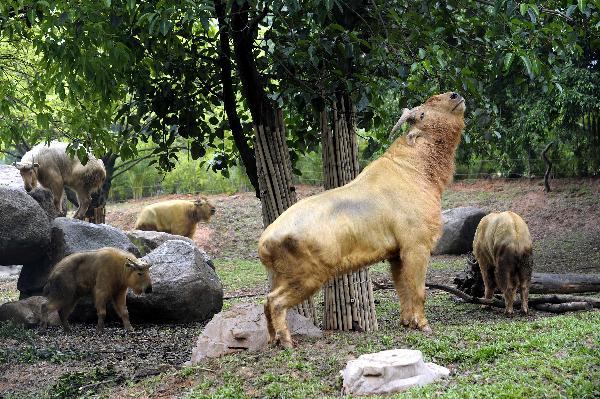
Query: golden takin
[(391, 210), (502, 246), (105, 273), (54, 168), (175, 216)]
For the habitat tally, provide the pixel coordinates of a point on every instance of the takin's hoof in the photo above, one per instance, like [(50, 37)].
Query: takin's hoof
[(509, 314), (416, 324)]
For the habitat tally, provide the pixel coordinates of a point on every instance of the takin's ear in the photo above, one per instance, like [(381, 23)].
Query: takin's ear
[(137, 265)]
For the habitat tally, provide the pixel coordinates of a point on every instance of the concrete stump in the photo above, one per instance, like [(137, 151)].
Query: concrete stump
[(388, 372)]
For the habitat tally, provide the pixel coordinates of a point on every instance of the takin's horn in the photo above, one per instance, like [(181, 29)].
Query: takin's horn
[(406, 114), (22, 165)]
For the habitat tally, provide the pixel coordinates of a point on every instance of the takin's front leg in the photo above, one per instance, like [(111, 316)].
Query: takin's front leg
[(121, 308), (100, 302), (84, 199), (409, 278)]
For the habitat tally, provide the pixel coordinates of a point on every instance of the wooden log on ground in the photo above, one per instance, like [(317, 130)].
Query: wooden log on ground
[(568, 283), (470, 281)]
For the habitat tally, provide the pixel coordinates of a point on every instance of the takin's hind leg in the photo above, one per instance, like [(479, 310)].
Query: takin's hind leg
[(409, 273), (489, 281), (286, 295), (64, 312), (524, 282)]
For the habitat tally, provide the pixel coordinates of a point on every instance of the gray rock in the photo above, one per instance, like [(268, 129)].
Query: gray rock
[(459, 230), (184, 287), (78, 235), (9, 272), (147, 241), (10, 177), (24, 228), (244, 328), (388, 372), (45, 199), (27, 312)]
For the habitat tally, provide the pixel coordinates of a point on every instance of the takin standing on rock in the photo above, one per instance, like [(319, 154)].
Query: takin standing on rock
[(391, 210), (105, 273), (175, 216), (502, 246), (53, 168)]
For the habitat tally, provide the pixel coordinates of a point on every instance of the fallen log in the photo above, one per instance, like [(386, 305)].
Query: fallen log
[(568, 283), (470, 281), (546, 303), (563, 307)]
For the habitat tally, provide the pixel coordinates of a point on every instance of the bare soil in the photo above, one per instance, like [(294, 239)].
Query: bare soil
[(565, 225)]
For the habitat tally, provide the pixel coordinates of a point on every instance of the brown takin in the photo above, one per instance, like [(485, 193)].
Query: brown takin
[(391, 210), (502, 246), (175, 216), (105, 273), (53, 168)]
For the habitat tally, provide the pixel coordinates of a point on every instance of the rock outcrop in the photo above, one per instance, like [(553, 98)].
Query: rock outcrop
[(459, 230), (244, 328)]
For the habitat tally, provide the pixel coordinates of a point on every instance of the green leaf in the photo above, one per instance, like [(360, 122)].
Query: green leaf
[(508, 59), (197, 150), (523, 8), (107, 3), (532, 15), (582, 4), (570, 10), (528, 65), (422, 53)]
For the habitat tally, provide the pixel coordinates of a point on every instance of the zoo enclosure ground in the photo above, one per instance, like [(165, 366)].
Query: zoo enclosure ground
[(542, 356)]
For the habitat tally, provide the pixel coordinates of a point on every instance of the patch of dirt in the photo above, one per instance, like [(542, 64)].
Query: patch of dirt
[(36, 363)]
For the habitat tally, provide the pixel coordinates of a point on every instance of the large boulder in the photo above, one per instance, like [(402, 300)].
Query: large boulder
[(244, 328), (147, 241), (389, 371), (45, 199), (27, 312), (69, 236), (184, 287), (459, 230), (77, 235), (10, 177), (24, 228)]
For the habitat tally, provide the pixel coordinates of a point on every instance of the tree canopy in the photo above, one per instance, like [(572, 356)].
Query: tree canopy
[(108, 75)]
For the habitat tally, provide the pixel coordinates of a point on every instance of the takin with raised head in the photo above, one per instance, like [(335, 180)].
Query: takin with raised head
[(53, 168), (503, 249), (391, 210), (105, 273), (175, 216)]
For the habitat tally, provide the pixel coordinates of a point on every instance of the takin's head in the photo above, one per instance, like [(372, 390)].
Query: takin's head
[(138, 276), (203, 209), (29, 173), (444, 105)]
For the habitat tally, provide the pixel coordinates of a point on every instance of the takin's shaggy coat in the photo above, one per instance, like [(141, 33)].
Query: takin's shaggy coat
[(175, 216), (105, 273), (53, 168), (391, 210), (502, 246)]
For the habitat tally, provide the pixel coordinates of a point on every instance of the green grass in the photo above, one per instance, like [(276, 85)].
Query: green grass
[(489, 355), (237, 274)]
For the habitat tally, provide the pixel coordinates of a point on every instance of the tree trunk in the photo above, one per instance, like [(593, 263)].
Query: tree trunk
[(273, 164), (349, 303), (229, 101)]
